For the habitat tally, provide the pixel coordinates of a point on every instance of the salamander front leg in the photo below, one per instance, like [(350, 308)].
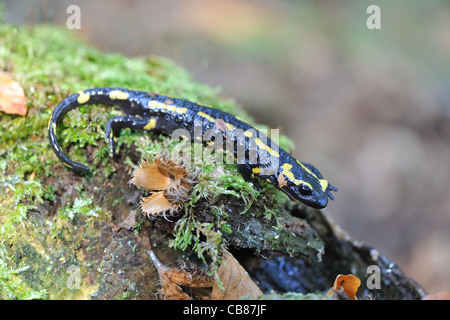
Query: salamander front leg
[(246, 172), (116, 124)]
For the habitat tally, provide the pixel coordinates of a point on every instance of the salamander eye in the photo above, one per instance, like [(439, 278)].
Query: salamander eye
[(304, 190)]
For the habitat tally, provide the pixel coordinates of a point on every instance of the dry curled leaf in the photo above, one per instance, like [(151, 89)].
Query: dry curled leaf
[(173, 278), (170, 178), (347, 283), (235, 281), (12, 96), (169, 289)]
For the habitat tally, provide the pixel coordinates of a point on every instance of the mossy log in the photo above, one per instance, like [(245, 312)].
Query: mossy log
[(64, 236)]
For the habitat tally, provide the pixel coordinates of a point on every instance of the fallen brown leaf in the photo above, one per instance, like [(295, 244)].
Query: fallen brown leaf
[(235, 281), (12, 96), (129, 221)]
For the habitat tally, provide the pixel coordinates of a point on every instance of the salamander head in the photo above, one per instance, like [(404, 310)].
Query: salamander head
[(305, 184), (311, 194)]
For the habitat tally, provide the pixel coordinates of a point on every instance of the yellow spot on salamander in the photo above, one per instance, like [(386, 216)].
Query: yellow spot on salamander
[(306, 169), (152, 104), (229, 126), (206, 116), (323, 184), (67, 165), (118, 95), (287, 172), (290, 175), (111, 136), (151, 124), (262, 146), (256, 170), (248, 133), (83, 97), (176, 109)]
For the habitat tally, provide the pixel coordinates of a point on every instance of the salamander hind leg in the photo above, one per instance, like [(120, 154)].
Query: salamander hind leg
[(116, 124)]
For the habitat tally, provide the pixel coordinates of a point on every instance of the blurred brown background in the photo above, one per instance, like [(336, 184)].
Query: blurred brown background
[(369, 108)]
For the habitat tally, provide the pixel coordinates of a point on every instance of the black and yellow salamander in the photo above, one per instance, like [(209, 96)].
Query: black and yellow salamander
[(149, 111)]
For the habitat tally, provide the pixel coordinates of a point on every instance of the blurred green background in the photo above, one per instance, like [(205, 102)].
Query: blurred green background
[(369, 108)]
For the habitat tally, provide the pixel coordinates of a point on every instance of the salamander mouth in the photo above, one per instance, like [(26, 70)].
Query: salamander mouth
[(314, 204)]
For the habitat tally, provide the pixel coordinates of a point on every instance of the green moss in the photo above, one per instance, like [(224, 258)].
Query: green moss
[(81, 206), (13, 287), (50, 64), (30, 258), (17, 197), (253, 220)]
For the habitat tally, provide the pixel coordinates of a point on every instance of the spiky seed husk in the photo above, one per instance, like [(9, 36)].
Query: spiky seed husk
[(151, 177), (170, 178)]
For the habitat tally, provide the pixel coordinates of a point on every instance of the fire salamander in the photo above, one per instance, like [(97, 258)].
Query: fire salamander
[(149, 111)]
